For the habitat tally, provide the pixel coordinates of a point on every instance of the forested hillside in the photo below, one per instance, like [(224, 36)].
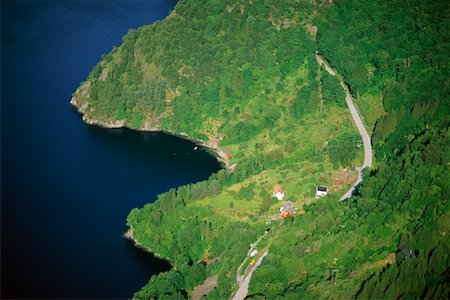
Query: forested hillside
[(243, 75)]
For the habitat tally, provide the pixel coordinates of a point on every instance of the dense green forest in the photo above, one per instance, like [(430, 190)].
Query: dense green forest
[(245, 72)]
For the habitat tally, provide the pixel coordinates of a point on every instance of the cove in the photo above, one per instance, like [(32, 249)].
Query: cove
[(66, 188)]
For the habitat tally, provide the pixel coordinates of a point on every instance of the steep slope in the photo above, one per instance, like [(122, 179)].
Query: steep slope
[(242, 75)]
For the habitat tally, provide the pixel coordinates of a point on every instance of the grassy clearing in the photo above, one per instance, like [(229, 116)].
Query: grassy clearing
[(305, 165)]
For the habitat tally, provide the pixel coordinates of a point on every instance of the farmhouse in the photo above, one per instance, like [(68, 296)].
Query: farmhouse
[(287, 210), (278, 192)]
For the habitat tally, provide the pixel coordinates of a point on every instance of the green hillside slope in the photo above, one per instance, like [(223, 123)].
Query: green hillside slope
[(241, 77)]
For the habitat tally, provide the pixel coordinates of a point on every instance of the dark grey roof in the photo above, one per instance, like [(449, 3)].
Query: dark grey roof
[(289, 207), (322, 188)]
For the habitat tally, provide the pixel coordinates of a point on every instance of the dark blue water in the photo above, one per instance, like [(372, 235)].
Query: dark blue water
[(66, 188)]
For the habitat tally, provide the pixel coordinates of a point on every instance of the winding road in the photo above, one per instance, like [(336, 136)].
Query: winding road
[(359, 124), (244, 281)]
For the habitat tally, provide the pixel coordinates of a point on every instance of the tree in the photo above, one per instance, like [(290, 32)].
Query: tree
[(342, 149)]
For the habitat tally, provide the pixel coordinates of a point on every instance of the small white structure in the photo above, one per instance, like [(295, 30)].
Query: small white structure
[(232, 168), (254, 252), (321, 191), (279, 196)]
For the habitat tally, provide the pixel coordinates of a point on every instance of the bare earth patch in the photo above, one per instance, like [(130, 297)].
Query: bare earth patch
[(204, 289)]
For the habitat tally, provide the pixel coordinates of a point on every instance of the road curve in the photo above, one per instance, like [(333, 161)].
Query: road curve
[(244, 283), (239, 269), (243, 288), (359, 124)]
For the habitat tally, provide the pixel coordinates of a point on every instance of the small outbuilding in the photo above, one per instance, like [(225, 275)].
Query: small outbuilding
[(278, 192), (227, 153), (321, 191)]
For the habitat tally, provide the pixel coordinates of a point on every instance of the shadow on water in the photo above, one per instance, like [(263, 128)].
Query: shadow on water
[(146, 259), (173, 151)]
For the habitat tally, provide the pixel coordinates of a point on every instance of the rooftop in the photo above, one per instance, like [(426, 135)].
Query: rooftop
[(277, 189), (322, 188)]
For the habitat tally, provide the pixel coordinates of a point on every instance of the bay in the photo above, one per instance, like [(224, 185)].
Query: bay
[(66, 188)]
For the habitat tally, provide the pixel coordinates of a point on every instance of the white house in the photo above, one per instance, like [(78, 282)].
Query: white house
[(321, 191), (278, 192)]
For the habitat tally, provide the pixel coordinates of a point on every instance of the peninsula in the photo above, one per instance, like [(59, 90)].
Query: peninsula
[(242, 78)]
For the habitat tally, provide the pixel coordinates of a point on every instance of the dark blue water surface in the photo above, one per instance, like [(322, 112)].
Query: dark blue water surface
[(66, 188)]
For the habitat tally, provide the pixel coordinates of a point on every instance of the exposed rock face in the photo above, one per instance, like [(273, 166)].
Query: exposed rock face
[(148, 126), (82, 93)]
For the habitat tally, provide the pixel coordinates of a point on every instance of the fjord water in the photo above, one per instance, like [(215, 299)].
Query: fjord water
[(66, 188)]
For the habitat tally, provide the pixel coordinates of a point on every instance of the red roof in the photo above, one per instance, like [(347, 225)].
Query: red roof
[(285, 214), (277, 189), (227, 153)]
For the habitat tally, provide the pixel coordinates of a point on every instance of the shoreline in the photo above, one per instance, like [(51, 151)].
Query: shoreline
[(215, 151), (129, 235)]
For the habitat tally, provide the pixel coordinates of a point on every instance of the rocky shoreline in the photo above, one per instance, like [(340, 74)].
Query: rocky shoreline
[(129, 235), (215, 151)]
